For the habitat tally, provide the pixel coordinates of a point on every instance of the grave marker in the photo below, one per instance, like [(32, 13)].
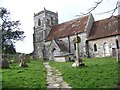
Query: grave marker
[(22, 60), (78, 60)]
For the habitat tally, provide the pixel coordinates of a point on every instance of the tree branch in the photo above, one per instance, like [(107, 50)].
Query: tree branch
[(111, 11), (91, 9), (96, 5)]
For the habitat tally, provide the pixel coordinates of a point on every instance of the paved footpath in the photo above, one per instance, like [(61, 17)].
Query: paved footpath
[(54, 78)]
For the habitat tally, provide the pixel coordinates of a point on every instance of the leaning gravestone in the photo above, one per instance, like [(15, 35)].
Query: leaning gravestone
[(5, 62), (22, 60)]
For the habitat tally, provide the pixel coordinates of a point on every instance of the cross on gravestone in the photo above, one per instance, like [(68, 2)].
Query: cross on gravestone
[(78, 60)]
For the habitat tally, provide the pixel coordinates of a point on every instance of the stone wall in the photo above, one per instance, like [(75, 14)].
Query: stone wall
[(50, 45), (82, 45), (104, 46), (57, 52), (43, 21)]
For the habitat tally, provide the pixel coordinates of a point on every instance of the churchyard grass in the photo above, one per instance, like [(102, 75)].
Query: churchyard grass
[(97, 73), (33, 76)]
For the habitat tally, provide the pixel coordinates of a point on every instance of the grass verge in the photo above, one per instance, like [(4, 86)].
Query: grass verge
[(97, 73), (33, 76)]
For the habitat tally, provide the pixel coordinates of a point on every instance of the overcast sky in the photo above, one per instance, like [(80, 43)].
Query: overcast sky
[(24, 10)]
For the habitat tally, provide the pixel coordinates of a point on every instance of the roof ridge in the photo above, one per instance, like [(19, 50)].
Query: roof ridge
[(68, 28), (109, 18), (104, 28), (73, 19)]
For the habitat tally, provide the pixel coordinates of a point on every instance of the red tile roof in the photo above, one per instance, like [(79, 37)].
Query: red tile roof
[(104, 28), (68, 28)]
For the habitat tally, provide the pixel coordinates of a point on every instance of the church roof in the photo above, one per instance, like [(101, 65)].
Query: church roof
[(68, 28), (105, 28), (61, 45)]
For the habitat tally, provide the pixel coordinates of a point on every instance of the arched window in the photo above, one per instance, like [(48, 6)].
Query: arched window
[(39, 22), (48, 22), (95, 47), (117, 44), (53, 50), (51, 20), (106, 49)]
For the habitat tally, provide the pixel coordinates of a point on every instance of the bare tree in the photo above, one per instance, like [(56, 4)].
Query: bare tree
[(97, 3)]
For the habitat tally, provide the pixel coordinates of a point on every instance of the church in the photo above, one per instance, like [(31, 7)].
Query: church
[(53, 41)]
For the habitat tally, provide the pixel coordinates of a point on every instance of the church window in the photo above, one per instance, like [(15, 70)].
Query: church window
[(39, 22), (51, 20), (106, 49), (56, 20), (53, 50), (95, 47), (48, 21)]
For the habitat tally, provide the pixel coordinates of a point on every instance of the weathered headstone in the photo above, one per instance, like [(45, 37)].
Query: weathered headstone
[(22, 61), (16, 58), (5, 62)]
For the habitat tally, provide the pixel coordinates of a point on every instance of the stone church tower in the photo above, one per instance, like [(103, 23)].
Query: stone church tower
[(43, 22)]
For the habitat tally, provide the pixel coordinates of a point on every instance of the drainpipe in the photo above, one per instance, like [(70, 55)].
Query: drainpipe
[(69, 46), (87, 49), (118, 49), (118, 38)]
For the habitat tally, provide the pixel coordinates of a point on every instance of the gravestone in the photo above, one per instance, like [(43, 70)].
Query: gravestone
[(22, 61), (5, 61), (16, 58)]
